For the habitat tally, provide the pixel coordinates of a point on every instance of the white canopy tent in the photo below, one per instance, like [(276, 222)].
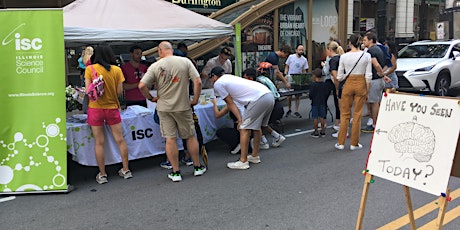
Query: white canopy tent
[(87, 21)]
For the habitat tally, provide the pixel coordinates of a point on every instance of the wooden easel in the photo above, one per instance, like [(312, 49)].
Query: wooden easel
[(441, 204)]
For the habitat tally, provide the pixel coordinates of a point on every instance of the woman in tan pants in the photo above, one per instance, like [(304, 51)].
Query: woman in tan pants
[(354, 68)]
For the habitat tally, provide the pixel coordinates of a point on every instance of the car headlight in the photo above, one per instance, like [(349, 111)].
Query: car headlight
[(425, 69)]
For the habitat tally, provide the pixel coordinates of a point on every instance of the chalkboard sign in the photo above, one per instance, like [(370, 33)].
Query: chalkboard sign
[(415, 141)]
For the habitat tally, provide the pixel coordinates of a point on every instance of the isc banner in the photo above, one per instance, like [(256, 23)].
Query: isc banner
[(32, 100)]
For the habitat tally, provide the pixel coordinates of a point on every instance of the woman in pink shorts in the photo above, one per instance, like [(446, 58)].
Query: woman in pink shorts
[(105, 110)]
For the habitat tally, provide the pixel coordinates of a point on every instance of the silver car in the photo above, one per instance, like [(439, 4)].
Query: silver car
[(430, 66)]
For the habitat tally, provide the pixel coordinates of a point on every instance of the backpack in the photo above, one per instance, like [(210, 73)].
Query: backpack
[(269, 84), (387, 55), (96, 88)]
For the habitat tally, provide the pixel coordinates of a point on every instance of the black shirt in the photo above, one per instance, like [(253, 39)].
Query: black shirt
[(319, 93), (377, 53), (334, 63)]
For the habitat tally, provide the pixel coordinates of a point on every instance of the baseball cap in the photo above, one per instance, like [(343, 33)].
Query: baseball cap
[(226, 51), (265, 65), (218, 71)]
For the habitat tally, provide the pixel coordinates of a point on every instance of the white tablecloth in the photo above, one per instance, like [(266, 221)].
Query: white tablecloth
[(141, 133)]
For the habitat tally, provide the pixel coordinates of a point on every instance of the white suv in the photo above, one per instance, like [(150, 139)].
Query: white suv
[(432, 66)]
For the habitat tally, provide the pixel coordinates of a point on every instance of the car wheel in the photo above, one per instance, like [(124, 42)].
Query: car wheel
[(442, 84)]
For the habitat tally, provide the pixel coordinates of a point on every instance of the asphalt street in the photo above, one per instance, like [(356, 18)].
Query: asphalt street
[(304, 184)]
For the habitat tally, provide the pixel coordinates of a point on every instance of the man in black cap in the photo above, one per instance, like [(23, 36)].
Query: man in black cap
[(222, 60)]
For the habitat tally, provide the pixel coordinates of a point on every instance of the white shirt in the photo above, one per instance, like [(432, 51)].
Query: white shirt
[(241, 90), (348, 60), (213, 62), (296, 64)]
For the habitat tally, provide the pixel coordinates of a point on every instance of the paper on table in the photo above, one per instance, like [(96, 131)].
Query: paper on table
[(209, 92)]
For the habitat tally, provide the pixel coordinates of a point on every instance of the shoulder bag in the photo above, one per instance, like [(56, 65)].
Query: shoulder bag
[(96, 88), (342, 83)]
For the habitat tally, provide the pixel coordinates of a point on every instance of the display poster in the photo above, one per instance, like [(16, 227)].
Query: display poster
[(415, 140), (293, 24), (257, 41), (33, 153)]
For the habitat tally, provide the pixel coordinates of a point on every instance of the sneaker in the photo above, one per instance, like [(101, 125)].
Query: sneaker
[(336, 127), (337, 146), (236, 149), (359, 146), (264, 145), (187, 161), (322, 134), (297, 114), (175, 176), (277, 143), (370, 122), (336, 135), (368, 129), (254, 160), (288, 113), (166, 164), (101, 179), (314, 134), (126, 174), (238, 165), (199, 170)]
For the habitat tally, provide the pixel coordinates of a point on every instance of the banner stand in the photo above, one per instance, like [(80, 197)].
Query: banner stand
[(33, 149)]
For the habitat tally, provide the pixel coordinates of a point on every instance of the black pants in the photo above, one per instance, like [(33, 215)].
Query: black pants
[(332, 88), (231, 137)]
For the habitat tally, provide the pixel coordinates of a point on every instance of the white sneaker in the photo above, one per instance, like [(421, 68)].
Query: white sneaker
[(236, 149), (264, 145), (101, 179), (340, 147), (238, 165), (336, 127), (277, 143), (175, 176), (124, 174), (369, 122), (254, 160), (336, 135), (359, 146)]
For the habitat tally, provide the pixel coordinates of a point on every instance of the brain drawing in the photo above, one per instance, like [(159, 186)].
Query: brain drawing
[(413, 139)]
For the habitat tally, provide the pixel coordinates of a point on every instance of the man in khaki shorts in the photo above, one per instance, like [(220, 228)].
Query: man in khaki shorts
[(171, 75)]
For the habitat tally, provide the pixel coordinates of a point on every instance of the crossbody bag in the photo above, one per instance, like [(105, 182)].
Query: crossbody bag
[(342, 83)]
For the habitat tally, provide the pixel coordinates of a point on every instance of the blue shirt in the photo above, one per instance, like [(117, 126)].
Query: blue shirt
[(272, 58)]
